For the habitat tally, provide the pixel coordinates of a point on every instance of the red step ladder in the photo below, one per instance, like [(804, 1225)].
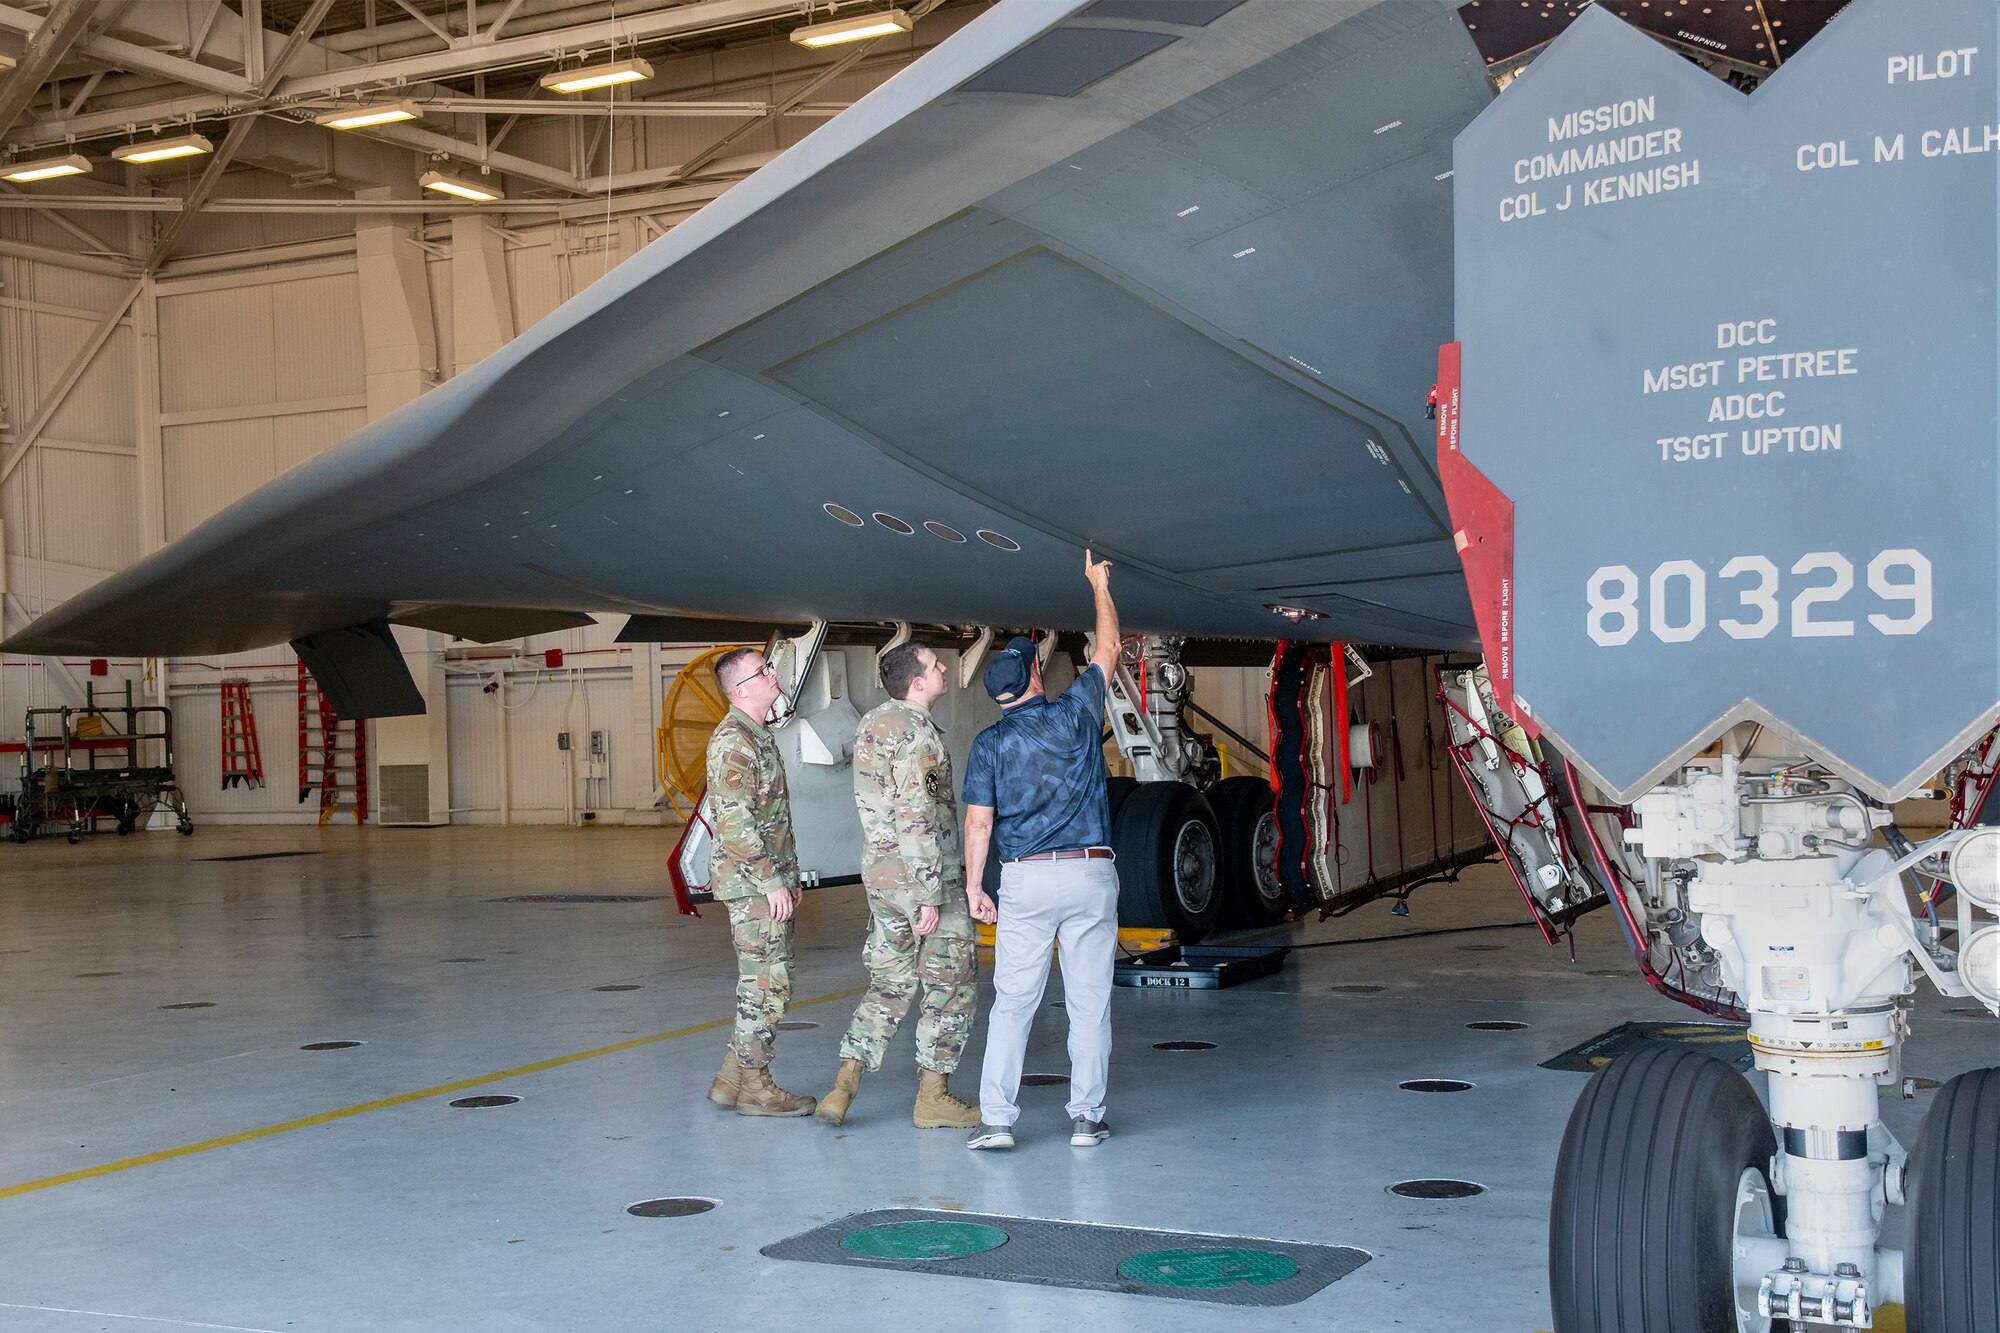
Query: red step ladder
[(333, 755), (242, 761)]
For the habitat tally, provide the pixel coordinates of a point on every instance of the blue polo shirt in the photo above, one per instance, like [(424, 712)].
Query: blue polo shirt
[(1041, 768)]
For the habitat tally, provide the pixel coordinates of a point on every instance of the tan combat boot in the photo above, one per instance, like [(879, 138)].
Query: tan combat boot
[(833, 1106), (723, 1091), (937, 1108), (756, 1094)]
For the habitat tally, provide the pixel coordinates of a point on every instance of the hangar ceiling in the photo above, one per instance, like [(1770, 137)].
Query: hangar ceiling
[(85, 79)]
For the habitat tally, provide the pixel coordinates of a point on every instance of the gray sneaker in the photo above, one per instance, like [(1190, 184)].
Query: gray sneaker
[(990, 1136), (1087, 1133)]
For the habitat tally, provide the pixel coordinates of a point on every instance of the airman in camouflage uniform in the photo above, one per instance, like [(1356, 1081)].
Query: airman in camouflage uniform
[(919, 930), (753, 870)]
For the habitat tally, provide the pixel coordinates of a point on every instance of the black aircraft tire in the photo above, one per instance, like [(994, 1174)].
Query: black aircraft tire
[(1252, 892), (1160, 826), (1642, 1223), (1951, 1271), (1117, 790)]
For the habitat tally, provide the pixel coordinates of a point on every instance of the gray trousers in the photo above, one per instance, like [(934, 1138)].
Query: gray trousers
[(1074, 901)]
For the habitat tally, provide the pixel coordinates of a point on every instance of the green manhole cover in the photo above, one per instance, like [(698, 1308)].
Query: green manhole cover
[(1208, 1270), (923, 1240)]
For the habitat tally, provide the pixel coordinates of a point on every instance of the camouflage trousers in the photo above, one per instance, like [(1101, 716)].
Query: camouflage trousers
[(763, 978), (900, 962)]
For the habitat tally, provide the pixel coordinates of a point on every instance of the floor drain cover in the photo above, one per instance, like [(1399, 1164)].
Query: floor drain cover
[(1971, 1013), (923, 1240), (1355, 990), (795, 1025), (1436, 1189), (681, 1207), (369, 935), (1183, 1045), (474, 1103), (328, 1045), (1730, 1041), (1222, 1270), (584, 898), (616, 988), (1607, 972), (1496, 1025), (1435, 1085), (1058, 1004), (191, 1004), (1208, 1270), (1043, 1080), (461, 960), (1480, 948), (256, 856), (81, 975)]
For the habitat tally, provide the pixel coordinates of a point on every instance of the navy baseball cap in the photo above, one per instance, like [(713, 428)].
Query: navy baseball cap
[(1008, 673)]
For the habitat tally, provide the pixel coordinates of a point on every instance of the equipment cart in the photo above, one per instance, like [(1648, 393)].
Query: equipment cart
[(79, 765)]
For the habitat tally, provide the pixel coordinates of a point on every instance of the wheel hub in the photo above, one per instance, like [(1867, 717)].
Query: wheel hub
[(1194, 867)]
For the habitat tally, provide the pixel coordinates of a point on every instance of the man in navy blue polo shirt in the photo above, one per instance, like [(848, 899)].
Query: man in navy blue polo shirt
[(1035, 782)]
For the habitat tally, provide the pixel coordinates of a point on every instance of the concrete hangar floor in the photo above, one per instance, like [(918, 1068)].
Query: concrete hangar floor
[(175, 1155)]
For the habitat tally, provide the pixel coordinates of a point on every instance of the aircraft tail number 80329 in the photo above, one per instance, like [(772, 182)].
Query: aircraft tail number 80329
[(1676, 598)]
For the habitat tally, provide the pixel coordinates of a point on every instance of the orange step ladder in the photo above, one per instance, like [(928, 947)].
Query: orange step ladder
[(333, 755), (242, 760)]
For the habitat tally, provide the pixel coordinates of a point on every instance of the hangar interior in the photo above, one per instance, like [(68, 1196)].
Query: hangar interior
[(415, 1049)]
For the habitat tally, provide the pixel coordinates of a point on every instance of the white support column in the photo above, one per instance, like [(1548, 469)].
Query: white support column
[(400, 359), (146, 421), (398, 332), (648, 695), (482, 306)]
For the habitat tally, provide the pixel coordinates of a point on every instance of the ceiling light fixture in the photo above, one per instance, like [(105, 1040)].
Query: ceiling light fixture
[(160, 150), (458, 185), (857, 29), (597, 76), (44, 168), (361, 117)]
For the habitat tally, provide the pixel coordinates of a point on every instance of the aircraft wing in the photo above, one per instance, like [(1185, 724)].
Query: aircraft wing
[(1166, 277)]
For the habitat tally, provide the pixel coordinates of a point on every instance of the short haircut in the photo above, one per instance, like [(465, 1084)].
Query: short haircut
[(900, 667), (725, 666)]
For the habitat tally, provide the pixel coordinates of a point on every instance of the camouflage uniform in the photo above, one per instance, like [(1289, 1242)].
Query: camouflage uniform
[(753, 855), (910, 858)]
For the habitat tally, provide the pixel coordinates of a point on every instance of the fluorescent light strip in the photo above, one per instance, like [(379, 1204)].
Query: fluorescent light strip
[(857, 29), (160, 150), (361, 117), (46, 168), (596, 76), (464, 189)]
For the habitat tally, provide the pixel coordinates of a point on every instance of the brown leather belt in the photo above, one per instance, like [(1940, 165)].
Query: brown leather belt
[(1076, 854)]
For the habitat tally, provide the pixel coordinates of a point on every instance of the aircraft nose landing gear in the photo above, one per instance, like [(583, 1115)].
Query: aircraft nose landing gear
[(1677, 1208)]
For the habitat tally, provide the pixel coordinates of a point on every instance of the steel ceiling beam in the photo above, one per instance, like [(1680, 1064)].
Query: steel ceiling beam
[(127, 55), (343, 76), (49, 40)]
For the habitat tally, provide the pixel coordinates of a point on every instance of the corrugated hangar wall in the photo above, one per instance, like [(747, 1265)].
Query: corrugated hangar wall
[(247, 355)]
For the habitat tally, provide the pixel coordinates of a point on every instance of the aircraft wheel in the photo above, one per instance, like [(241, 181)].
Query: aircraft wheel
[(1662, 1169), (186, 827), (1117, 790), (75, 836), (1169, 861), (1252, 893), (1951, 1266)]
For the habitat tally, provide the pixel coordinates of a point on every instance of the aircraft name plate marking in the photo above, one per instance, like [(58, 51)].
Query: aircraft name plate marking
[(1732, 360)]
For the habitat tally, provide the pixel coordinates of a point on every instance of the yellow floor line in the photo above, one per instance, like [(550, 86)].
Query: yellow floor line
[(381, 1104)]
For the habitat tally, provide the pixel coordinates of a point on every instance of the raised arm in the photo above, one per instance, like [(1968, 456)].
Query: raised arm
[(1105, 655)]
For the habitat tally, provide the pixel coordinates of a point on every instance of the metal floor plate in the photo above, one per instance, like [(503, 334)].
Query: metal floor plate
[(1180, 1265)]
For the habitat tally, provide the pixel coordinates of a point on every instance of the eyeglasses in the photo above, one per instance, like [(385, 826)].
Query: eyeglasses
[(766, 670)]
